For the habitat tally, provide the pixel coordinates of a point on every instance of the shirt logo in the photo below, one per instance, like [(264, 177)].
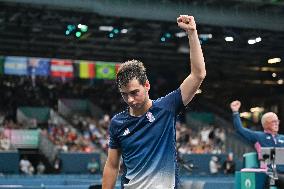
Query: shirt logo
[(281, 141), (150, 117), (126, 132), (268, 137)]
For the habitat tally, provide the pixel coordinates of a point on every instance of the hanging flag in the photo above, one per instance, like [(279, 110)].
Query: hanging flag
[(117, 66), (84, 69), (105, 70), (61, 68), (15, 65), (38, 66), (2, 65)]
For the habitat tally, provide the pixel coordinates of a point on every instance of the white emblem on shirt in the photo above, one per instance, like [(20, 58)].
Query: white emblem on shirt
[(150, 117), (281, 141), (268, 137), (126, 132)]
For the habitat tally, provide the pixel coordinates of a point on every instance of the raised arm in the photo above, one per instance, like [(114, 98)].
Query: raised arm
[(244, 132), (111, 169), (198, 72)]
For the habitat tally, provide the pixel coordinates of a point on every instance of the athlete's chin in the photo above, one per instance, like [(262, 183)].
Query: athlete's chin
[(135, 107)]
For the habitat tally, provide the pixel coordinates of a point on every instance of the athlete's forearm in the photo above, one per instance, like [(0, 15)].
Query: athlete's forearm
[(196, 55), (109, 177)]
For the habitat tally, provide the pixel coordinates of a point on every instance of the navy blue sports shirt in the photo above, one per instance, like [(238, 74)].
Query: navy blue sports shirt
[(148, 144)]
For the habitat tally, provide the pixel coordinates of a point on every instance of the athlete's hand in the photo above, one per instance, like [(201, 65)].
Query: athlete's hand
[(186, 23), (235, 106)]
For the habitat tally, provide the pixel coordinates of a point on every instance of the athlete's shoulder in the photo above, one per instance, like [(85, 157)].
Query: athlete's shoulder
[(171, 95), (119, 118), (172, 101)]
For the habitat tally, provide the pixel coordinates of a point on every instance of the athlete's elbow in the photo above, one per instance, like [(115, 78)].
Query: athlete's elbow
[(201, 75)]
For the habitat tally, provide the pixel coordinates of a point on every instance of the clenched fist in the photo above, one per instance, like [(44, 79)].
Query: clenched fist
[(235, 106), (187, 23)]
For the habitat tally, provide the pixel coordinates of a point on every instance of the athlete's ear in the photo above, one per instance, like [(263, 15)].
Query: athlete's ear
[(147, 85)]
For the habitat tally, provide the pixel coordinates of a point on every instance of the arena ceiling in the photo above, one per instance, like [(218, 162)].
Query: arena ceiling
[(234, 69)]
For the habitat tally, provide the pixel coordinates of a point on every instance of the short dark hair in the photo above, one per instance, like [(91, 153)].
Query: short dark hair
[(131, 69)]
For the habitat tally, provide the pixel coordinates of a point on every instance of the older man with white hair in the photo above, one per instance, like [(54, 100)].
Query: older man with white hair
[(269, 137), (270, 123)]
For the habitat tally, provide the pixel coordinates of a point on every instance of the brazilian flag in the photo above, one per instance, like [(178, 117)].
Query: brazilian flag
[(105, 70), (2, 65)]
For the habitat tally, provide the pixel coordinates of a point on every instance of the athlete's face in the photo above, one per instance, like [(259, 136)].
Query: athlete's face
[(272, 123), (135, 94)]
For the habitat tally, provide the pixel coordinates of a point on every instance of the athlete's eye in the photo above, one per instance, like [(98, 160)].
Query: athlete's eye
[(134, 93)]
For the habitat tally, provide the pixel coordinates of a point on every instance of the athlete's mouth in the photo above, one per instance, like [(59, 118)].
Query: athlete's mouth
[(133, 105)]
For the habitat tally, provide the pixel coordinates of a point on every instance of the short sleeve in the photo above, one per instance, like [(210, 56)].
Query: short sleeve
[(113, 139), (172, 101)]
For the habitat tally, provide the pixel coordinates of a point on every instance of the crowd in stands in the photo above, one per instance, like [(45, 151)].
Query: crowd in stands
[(18, 91), (21, 91), (67, 139), (93, 129), (209, 139), (5, 143)]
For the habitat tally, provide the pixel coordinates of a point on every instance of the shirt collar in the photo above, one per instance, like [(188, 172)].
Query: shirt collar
[(268, 132)]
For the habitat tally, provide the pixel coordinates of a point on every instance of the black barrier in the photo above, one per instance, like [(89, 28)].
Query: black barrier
[(95, 186)]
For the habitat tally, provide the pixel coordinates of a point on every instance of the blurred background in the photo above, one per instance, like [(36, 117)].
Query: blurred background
[(58, 61)]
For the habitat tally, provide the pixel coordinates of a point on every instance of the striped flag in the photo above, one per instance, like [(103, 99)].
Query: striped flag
[(117, 66), (15, 65), (61, 68), (84, 69), (105, 70)]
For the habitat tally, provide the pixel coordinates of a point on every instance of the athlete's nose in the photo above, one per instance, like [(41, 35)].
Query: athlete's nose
[(130, 99)]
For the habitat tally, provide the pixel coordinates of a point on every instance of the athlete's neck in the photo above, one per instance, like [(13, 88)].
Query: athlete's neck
[(139, 112)]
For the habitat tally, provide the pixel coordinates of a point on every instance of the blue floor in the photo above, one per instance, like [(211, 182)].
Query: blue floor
[(84, 181)]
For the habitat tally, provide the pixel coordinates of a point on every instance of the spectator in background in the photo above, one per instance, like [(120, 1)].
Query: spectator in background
[(57, 165), (229, 166), (40, 168), (269, 137), (204, 133), (93, 166), (214, 165), (26, 167), (5, 142)]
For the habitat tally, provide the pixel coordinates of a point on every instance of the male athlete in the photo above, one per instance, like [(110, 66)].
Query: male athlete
[(144, 134)]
